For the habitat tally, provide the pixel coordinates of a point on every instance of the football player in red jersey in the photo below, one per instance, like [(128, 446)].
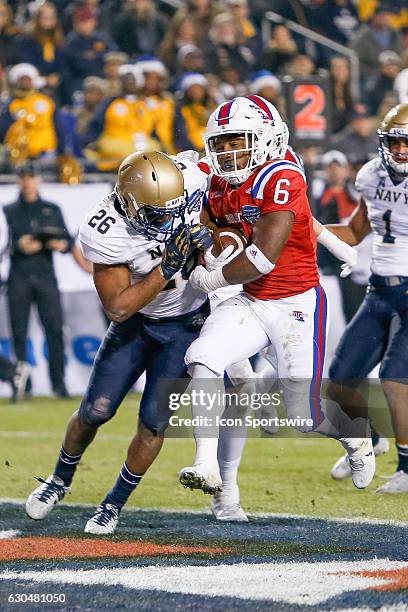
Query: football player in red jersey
[(259, 182)]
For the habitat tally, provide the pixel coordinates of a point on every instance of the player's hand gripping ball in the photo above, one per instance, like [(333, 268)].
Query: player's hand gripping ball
[(223, 238), (175, 253)]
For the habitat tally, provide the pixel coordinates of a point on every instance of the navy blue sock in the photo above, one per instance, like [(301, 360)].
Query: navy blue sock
[(123, 487), (402, 450), (66, 466), (374, 437)]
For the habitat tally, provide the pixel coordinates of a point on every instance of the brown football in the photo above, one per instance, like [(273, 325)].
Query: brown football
[(224, 236)]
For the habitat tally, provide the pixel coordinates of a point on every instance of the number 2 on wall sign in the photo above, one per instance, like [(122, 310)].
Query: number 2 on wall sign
[(310, 117)]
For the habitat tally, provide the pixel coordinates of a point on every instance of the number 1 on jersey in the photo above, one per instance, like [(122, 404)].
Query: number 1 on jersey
[(388, 238)]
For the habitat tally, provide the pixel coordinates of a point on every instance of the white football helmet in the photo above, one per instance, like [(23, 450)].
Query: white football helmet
[(259, 122)]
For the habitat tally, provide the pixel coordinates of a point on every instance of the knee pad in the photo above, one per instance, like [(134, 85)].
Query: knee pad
[(96, 412), (200, 351)]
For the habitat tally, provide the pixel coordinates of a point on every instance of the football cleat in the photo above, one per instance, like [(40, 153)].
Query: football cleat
[(226, 512), (397, 483), (104, 521), (20, 380), (361, 460), (200, 476), (341, 469), (43, 499)]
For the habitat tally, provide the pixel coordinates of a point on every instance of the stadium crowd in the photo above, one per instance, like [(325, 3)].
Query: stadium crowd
[(83, 84), (86, 83)]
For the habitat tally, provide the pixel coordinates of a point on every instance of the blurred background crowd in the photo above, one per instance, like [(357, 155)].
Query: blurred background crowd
[(94, 80), (85, 83)]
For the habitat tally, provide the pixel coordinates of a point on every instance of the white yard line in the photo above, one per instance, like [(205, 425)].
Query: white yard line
[(294, 582)]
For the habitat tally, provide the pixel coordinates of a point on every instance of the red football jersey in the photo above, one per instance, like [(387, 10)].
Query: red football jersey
[(277, 185)]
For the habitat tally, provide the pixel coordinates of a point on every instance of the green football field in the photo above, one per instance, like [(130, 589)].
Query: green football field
[(283, 475)]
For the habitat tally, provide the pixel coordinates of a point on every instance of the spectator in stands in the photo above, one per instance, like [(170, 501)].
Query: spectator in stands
[(111, 64), (41, 45), (264, 83), (336, 199), (192, 112), (340, 92), (95, 91), (30, 124), (159, 101), (8, 51), (85, 48), (279, 51), (190, 58), (335, 19), (372, 38), (139, 28), (229, 85), (228, 48), (383, 85), (301, 66), (202, 14), (239, 9), (121, 124), (180, 33), (358, 138), (37, 230)]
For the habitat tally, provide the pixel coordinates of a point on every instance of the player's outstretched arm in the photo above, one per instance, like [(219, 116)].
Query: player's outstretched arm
[(340, 249), (356, 229), (119, 298)]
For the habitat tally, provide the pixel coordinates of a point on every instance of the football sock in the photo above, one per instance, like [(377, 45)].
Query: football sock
[(375, 438), (402, 450), (66, 466), (210, 386), (229, 457), (123, 487)]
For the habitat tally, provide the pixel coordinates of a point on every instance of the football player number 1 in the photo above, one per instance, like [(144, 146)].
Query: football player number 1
[(388, 238), (281, 195), (101, 221)]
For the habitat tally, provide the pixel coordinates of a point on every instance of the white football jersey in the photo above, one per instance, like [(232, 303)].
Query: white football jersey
[(387, 206), (106, 237)]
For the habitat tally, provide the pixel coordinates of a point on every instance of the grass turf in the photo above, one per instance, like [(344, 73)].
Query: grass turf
[(289, 475)]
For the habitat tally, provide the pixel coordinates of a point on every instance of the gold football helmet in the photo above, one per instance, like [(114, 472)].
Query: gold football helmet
[(394, 128), (150, 189)]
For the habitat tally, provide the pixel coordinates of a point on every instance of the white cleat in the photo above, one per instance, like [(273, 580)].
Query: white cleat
[(341, 469), (200, 476), (226, 512), (361, 460), (397, 483), (104, 521), (43, 499)]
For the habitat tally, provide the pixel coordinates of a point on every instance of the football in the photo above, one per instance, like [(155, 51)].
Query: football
[(224, 236)]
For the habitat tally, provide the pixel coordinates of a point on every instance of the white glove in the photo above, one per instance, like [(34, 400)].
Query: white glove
[(339, 249), (212, 262), (189, 155), (207, 281)]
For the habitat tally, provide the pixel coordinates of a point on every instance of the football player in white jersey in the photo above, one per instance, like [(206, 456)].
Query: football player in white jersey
[(143, 239), (378, 333)]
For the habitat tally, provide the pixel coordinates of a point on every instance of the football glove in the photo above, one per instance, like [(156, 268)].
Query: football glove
[(175, 252), (201, 237)]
